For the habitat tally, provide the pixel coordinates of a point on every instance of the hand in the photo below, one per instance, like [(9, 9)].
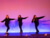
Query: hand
[(15, 19), (43, 16), (0, 21), (26, 17)]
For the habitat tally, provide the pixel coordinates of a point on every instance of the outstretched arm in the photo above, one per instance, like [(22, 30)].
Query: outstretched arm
[(3, 20), (12, 19), (41, 17), (33, 20), (25, 18)]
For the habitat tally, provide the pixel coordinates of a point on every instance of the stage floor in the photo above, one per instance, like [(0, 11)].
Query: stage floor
[(26, 35)]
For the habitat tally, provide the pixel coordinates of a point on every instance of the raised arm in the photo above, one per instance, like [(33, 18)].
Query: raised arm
[(40, 17)]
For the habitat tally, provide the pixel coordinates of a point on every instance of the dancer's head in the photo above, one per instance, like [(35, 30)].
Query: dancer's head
[(19, 16), (7, 16), (34, 16)]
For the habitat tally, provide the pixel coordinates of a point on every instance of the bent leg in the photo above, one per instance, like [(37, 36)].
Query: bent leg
[(7, 28)]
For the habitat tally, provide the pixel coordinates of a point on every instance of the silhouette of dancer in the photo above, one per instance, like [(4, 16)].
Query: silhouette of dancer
[(36, 21), (7, 21), (20, 22)]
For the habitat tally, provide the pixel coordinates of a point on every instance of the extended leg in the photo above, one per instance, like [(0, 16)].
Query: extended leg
[(36, 27), (20, 26), (7, 30)]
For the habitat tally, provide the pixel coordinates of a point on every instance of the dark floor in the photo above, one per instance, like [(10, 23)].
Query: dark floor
[(26, 35)]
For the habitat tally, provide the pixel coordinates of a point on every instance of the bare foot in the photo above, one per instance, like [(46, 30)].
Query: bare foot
[(7, 32), (6, 35)]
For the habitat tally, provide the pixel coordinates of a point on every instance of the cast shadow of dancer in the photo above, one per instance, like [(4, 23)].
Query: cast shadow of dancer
[(36, 22)]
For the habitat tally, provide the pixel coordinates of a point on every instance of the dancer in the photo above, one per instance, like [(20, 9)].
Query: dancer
[(7, 21), (20, 22), (36, 21)]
